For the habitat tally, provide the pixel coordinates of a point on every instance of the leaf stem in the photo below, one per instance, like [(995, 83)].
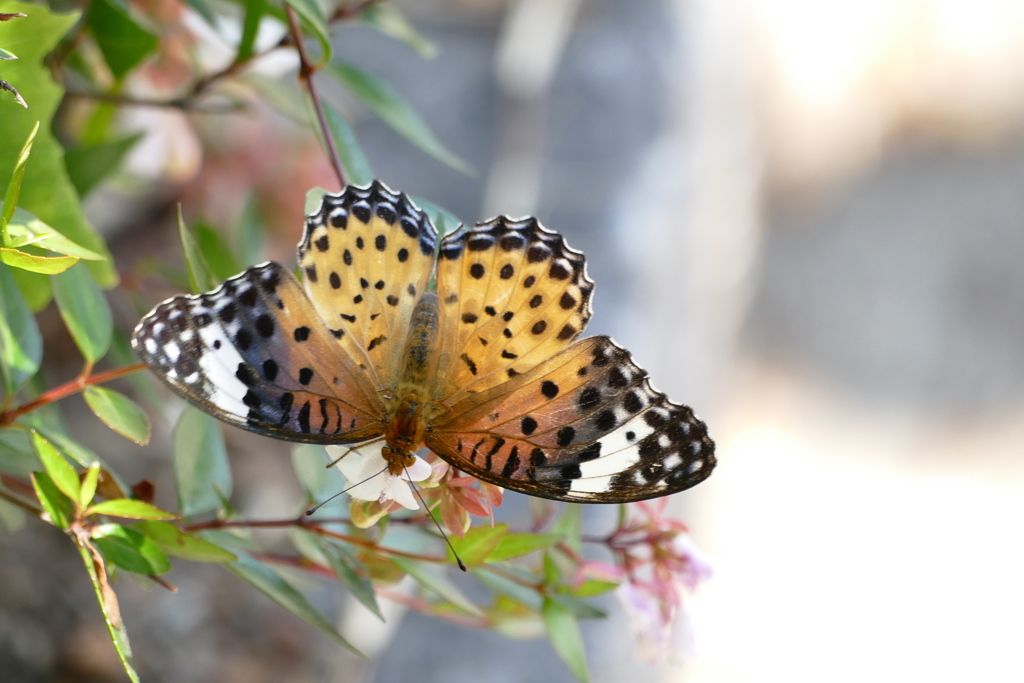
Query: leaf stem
[(65, 390), (314, 526), (306, 72)]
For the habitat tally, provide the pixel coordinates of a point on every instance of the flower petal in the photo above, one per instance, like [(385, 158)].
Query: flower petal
[(418, 471)]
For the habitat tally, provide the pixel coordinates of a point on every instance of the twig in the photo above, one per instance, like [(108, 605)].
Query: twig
[(306, 72), (313, 526), (65, 390)]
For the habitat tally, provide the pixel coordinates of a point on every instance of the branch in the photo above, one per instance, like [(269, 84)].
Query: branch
[(306, 72), (65, 390)]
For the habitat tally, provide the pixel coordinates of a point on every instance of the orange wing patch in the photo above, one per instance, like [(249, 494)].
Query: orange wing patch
[(366, 258), (511, 294)]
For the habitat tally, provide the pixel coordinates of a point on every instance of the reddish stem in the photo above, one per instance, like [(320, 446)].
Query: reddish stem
[(65, 390)]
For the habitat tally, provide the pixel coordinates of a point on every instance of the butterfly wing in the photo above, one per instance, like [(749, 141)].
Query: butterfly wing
[(254, 353), (366, 257), (511, 294), (583, 426)]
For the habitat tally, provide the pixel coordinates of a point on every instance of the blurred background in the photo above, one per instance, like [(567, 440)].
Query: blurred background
[(804, 218)]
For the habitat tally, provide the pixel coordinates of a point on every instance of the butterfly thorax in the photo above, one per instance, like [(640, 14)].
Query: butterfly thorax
[(408, 409)]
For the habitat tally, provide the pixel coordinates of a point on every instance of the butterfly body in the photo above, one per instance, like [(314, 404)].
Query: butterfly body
[(485, 370)]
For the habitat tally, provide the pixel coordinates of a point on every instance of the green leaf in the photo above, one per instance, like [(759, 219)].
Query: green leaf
[(564, 632), (570, 526), (280, 591), (4, 54), (25, 229), (119, 412), (56, 504), (14, 185), (89, 164), (122, 42), (21, 346), (384, 101), (390, 21), (199, 275), (517, 545), (353, 161), (312, 16), (478, 543), (433, 580), (347, 568), (111, 613), (524, 595), (60, 470), (129, 508), (47, 265), (71, 448), (85, 311), (89, 483), (130, 550), (216, 252), (254, 10), (35, 288), (201, 471), (319, 481), (177, 543), (580, 609), (46, 190)]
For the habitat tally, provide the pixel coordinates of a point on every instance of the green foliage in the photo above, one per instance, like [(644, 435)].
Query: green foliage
[(89, 164), (122, 41), (270, 583), (21, 346), (201, 473), (46, 190), (118, 412), (564, 632), (85, 311), (384, 101)]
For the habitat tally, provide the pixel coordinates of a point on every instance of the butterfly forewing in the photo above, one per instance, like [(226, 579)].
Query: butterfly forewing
[(254, 353), (366, 257), (511, 294)]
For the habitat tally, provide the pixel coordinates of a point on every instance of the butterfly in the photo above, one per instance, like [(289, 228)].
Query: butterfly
[(467, 345)]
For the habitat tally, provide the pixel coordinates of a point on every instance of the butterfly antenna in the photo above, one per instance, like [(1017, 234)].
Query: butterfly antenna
[(353, 448), (416, 490), (319, 505)]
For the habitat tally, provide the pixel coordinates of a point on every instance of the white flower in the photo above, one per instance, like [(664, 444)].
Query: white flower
[(367, 470)]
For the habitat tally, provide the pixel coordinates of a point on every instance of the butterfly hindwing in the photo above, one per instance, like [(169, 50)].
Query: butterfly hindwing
[(254, 353), (511, 294), (366, 257), (583, 426)]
